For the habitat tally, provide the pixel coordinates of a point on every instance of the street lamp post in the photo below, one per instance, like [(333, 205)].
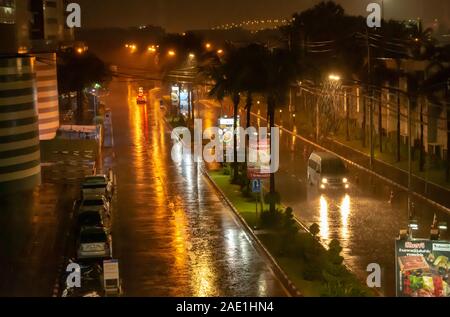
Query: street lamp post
[(347, 115)]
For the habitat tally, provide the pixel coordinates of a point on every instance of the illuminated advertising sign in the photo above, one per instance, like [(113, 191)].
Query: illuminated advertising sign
[(226, 129), (261, 168), (175, 95), (184, 102), (422, 268)]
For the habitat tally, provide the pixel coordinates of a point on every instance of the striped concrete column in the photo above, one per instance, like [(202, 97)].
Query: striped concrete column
[(47, 88), (19, 131)]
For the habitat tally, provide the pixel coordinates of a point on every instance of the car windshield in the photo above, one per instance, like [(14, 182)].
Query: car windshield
[(94, 180), (333, 166), (93, 237), (94, 185), (89, 218), (93, 202)]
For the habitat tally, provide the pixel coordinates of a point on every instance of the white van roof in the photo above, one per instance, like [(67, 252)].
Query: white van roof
[(324, 155)]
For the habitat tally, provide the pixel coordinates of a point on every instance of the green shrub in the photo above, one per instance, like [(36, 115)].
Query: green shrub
[(226, 169), (271, 220), (314, 229), (334, 253), (289, 225)]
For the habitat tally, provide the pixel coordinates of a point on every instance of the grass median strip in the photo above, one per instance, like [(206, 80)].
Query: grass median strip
[(314, 270)]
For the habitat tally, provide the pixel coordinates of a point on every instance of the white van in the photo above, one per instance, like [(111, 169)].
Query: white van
[(327, 171)]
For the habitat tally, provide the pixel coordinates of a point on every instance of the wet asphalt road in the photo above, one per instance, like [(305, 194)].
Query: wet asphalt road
[(172, 234), (363, 220)]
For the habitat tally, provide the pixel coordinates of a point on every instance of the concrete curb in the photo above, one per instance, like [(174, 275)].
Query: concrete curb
[(281, 275)]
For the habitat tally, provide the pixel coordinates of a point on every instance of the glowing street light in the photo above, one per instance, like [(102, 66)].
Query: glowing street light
[(220, 52), (208, 45), (171, 53), (334, 77), (191, 55), (80, 50)]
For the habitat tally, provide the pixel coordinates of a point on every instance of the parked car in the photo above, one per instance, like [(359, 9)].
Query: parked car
[(95, 216), (327, 172), (91, 282), (97, 184), (90, 201), (94, 243)]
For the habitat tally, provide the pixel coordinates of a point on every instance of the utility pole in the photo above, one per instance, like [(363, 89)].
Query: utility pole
[(317, 119), (347, 114), (371, 134), (409, 158), (369, 91)]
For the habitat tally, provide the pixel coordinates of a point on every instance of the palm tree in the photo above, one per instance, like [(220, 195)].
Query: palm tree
[(226, 75), (280, 70)]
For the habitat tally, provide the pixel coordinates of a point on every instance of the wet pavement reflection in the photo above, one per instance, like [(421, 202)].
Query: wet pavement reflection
[(172, 234)]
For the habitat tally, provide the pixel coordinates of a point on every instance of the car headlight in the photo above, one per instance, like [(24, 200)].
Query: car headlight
[(345, 180), (324, 181)]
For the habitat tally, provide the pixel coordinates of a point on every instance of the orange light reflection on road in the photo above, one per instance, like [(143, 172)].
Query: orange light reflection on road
[(324, 226), (136, 122), (345, 212)]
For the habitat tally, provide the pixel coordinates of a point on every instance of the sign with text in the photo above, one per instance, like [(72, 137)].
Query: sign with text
[(111, 274), (422, 268), (261, 168), (175, 96)]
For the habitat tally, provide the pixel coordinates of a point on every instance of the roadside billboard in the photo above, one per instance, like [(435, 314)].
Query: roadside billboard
[(422, 268), (261, 168), (175, 95), (184, 102), (226, 126)]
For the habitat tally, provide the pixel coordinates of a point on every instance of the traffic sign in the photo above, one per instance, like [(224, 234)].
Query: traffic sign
[(111, 277), (256, 186)]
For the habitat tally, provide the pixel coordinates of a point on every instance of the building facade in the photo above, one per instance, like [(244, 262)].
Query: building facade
[(47, 95), (19, 127), (31, 31)]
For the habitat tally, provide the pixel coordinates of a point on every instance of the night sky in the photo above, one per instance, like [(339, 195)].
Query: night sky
[(180, 15)]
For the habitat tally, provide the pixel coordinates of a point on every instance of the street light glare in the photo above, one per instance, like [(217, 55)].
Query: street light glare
[(334, 77), (171, 53), (191, 55)]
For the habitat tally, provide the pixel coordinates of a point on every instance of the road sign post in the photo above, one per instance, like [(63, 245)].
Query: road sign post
[(256, 189)]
